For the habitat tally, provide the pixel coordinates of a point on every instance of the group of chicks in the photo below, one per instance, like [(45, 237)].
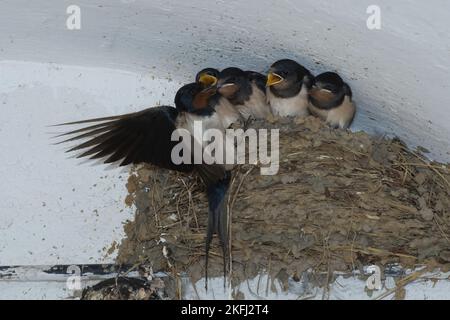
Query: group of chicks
[(288, 90), (219, 99)]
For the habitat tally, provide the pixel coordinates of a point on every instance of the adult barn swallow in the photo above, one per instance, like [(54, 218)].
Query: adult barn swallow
[(331, 100), (287, 88), (145, 137)]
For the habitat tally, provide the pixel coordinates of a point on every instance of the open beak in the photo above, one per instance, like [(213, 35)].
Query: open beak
[(207, 80), (273, 78)]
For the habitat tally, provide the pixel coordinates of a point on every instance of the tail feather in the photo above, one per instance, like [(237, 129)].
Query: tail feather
[(217, 220), (211, 174)]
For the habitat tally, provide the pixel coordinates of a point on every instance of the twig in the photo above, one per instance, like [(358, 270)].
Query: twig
[(440, 228), (191, 204), (428, 165), (402, 283)]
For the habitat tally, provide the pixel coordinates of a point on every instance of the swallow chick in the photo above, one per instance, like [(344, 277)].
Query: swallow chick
[(287, 85), (330, 99), (145, 137), (207, 77), (227, 113), (245, 91)]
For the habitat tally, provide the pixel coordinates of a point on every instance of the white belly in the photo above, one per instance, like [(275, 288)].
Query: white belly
[(190, 121), (256, 107), (296, 106), (339, 117), (227, 113)]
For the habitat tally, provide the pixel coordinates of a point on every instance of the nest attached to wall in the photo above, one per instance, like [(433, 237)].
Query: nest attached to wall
[(340, 201)]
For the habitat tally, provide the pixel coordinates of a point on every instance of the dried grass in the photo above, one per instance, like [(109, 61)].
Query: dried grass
[(340, 201)]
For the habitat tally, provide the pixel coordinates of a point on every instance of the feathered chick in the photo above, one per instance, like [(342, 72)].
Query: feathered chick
[(207, 77), (287, 88), (145, 137), (228, 115), (331, 100), (245, 91)]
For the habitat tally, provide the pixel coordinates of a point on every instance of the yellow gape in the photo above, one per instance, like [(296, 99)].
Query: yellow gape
[(273, 78), (207, 80)]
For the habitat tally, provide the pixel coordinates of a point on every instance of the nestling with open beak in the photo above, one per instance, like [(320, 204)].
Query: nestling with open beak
[(226, 112), (330, 99), (244, 91), (207, 77), (287, 88)]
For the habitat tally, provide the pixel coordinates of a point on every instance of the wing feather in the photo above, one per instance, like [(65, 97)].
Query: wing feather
[(143, 136)]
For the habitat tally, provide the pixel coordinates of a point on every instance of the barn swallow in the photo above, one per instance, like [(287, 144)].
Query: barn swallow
[(245, 91), (145, 137), (287, 88), (331, 100), (207, 77), (228, 114)]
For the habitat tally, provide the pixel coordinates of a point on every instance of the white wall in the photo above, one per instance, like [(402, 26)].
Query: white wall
[(400, 74), (130, 54)]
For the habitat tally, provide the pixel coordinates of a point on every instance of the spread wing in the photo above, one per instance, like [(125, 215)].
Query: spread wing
[(143, 136), (132, 138)]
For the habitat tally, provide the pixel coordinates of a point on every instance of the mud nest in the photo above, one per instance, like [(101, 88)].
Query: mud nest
[(125, 288), (340, 201)]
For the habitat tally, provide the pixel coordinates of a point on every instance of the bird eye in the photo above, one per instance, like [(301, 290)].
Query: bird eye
[(231, 80)]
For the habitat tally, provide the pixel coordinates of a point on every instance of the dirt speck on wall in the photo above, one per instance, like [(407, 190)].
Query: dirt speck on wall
[(340, 200)]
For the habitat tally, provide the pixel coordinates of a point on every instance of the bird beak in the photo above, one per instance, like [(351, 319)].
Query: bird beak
[(273, 78), (207, 80), (313, 91), (227, 89), (224, 85), (321, 94)]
